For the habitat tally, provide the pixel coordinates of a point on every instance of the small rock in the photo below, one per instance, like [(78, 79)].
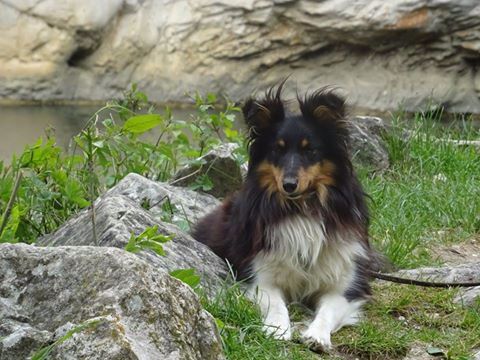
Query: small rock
[(366, 144), (221, 168), (418, 351), (469, 296)]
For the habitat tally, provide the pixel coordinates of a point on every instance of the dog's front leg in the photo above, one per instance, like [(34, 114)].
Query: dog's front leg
[(333, 311), (274, 310)]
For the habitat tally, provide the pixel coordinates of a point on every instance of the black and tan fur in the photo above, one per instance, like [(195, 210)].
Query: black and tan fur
[(298, 227)]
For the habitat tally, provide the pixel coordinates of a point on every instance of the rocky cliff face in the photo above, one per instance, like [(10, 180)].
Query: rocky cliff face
[(382, 53)]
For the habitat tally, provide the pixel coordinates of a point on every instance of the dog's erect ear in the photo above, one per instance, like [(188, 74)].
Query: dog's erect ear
[(325, 107), (261, 114)]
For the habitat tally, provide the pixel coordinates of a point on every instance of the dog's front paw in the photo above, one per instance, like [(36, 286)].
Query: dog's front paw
[(317, 340)]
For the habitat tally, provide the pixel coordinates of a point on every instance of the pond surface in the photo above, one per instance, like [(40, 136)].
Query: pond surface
[(22, 125)]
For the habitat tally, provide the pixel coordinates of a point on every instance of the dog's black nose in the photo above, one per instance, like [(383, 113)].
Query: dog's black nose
[(290, 185)]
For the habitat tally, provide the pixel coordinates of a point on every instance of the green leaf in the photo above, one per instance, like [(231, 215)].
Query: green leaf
[(74, 192), (166, 151), (188, 276), (148, 239), (142, 123), (132, 244), (220, 324), (211, 98), (230, 134), (183, 225), (141, 96), (154, 246), (203, 183), (99, 143)]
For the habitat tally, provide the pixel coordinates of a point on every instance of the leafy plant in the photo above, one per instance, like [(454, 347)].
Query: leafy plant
[(188, 276), (125, 136), (148, 239)]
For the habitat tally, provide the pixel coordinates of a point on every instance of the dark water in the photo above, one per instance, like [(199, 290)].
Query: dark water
[(23, 125)]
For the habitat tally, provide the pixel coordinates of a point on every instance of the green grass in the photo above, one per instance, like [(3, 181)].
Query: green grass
[(398, 317), (240, 326), (430, 187), (403, 315)]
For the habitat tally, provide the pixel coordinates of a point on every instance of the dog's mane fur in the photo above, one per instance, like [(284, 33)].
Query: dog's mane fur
[(235, 230), (297, 230)]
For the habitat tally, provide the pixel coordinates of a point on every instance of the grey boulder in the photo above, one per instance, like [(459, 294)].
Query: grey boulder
[(98, 303), (367, 147), (184, 205), (119, 214)]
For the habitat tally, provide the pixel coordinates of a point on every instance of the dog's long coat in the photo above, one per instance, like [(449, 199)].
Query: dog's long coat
[(298, 228)]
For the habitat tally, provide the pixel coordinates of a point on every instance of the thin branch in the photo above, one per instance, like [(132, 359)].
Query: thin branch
[(186, 176)]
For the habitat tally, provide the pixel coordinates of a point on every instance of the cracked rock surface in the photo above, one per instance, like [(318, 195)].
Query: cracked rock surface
[(382, 53), (119, 214), (113, 304)]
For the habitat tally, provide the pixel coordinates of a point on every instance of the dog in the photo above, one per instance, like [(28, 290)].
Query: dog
[(297, 230)]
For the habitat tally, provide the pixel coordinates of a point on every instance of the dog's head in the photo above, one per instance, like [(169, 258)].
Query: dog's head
[(297, 155)]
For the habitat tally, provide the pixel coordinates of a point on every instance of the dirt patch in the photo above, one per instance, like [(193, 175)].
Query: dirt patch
[(456, 254)]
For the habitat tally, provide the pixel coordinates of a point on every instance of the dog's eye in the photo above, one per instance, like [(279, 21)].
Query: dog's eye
[(279, 147), (311, 152)]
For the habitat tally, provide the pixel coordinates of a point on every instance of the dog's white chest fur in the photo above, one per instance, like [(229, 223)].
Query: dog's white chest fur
[(302, 261)]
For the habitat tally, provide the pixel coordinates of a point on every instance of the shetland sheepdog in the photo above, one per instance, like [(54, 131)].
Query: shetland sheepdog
[(297, 230)]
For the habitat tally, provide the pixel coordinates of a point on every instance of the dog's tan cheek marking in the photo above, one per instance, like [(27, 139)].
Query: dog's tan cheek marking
[(269, 176), (304, 143), (324, 180), (306, 177), (322, 193), (326, 173), (281, 143)]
